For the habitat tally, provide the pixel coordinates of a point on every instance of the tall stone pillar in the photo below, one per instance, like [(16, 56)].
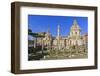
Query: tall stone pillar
[(58, 37)]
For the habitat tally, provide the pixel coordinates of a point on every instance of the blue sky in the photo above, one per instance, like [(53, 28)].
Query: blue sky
[(41, 23)]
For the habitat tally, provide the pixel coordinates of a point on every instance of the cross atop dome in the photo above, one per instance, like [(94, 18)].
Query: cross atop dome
[(75, 22)]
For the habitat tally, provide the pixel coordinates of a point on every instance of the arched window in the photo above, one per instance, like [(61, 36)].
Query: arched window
[(70, 42), (76, 33)]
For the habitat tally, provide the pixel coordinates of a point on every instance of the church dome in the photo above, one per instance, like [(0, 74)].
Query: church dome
[(75, 26)]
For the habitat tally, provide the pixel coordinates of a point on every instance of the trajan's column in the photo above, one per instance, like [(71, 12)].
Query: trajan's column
[(58, 37)]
